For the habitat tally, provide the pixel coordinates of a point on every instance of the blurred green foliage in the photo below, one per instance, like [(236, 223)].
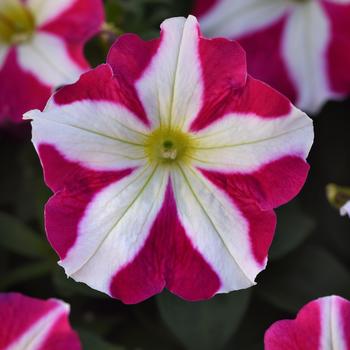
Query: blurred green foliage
[(309, 256)]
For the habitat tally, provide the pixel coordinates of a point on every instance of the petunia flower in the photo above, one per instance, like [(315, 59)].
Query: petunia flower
[(323, 324), (34, 324), (41, 47), (300, 47), (166, 164)]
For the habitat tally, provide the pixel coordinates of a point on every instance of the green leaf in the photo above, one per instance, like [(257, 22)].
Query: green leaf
[(293, 227), (303, 276), (25, 273), (20, 239), (92, 341), (205, 325)]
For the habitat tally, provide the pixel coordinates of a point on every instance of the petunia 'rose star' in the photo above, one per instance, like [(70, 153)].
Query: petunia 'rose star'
[(34, 324), (323, 324), (166, 165), (41, 47), (300, 47)]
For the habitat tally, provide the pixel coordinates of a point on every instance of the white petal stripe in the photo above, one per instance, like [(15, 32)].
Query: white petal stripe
[(47, 58), (235, 18), (238, 143), (34, 337), (332, 336), (171, 88), (116, 226), (99, 135), (305, 42), (47, 10), (215, 227)]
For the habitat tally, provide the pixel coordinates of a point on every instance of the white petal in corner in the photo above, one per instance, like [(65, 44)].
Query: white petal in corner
[(345, 209), (100, 135), (306, 39), (332, 336), (171, 87), (116, 226), (37, 333), (47, 58), (216, 228), (245, 143), (235, 18), (47, 10), (3, 54)]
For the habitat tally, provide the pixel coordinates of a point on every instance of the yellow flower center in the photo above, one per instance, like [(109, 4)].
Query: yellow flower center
[(17, 23), (167, 146)]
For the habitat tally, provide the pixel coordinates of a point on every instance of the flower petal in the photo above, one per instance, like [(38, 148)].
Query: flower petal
[(216, 227), (180, 76), (320, 325), (170, 88), (249, 15), (21, 92), (46, 57), (172, 261), (34, 324), (308, 69), (242, 142), (338, 55), (74, 186), (45, 11), (107, 240), (345, 209), (79, 21), (99, 135)]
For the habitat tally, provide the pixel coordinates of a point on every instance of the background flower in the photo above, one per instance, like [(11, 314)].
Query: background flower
[(41, 48), (34, 324), (322, 324), (299, 47), (166, 165)]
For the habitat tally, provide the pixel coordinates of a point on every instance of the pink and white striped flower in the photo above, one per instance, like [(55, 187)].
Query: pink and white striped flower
[(166, 165), (323, 324), (34, 324), (300, 47), (41, 47)]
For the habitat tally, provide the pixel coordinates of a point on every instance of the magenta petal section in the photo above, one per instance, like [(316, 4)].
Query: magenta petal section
[(19, 314), (167, 259), (100, 84), (264, 58), (20, 91), (254, 98), (323, 324), (76, 25), (339, 46), (75, 186), (303, 333)]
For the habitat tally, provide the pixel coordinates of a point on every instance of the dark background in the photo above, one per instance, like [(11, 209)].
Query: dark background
[(309, 257)]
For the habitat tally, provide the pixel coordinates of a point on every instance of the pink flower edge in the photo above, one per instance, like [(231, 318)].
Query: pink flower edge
[(34, 324)]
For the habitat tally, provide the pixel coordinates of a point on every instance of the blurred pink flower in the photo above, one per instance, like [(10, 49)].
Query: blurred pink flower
[(300, 47), (166, 165), (34, 324), (323, 324), (41, 47)]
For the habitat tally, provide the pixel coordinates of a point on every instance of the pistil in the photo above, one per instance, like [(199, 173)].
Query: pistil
[(17, 24)]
